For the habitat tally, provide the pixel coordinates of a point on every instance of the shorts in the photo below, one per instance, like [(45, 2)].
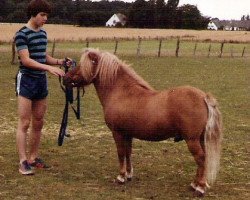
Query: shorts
[(33, 87)]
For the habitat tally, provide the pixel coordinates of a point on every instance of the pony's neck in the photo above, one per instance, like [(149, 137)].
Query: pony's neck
[(103, 92), (132, 78), (126, 83)]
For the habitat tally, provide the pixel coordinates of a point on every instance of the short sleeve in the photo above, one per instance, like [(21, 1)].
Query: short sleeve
[(21, 41)]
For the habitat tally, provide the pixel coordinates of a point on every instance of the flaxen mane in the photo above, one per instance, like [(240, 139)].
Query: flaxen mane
[(107, 68)]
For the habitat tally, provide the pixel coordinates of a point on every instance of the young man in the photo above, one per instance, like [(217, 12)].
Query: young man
[(31, 43)]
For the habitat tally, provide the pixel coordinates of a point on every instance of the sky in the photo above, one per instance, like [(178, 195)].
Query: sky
[(222, 9)]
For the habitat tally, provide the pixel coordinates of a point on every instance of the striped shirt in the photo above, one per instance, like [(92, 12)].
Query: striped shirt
[(36, 43)]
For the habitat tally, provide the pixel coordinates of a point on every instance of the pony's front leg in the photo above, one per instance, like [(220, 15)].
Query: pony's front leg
[(128, 158), (120, 142)]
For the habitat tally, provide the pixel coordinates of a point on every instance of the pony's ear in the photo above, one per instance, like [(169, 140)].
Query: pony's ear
[(93, 57)]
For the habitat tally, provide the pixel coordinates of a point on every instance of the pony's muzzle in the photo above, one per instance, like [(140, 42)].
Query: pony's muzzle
[(67, 82), (72, 79)]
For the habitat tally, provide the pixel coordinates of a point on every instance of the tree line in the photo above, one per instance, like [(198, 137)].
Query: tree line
[(245, 18), (140, 14)]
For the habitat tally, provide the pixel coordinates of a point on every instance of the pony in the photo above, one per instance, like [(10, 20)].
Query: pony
[(133, 109)]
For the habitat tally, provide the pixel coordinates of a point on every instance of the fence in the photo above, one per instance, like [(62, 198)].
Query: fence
[(158, 47)]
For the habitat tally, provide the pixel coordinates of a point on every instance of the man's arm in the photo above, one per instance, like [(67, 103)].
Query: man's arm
[(28, 62), (53, 61)]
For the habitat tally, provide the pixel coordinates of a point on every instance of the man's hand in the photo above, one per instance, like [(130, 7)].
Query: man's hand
[(56, 71)]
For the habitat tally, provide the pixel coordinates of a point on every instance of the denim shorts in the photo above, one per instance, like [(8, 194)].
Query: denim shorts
[(33, 87)]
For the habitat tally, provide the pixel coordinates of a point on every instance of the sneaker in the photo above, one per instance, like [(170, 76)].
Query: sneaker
[(25, 168), (38, 163)]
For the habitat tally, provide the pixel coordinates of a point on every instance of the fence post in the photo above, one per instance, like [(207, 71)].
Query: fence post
[(209, 50), (53, 48), (232, 52), (13, 47), (159, 50), (243, 52), (221, 49), (139, 46), (116, 45), (177, 47), (87, 42), (195, 47)]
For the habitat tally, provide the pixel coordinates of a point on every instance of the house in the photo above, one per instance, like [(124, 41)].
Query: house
[(117, 19), (229, 25), (244, 25), (214, 24)]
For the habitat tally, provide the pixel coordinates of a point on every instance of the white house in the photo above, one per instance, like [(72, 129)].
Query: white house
[(117, 19), (214, 24), (228, 25)]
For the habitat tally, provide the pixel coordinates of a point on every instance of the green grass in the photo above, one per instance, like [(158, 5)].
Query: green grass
[(86, 165), (151, 47)]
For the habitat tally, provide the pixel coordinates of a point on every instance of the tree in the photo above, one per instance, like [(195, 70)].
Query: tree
[(160, 13), (189, 17), (245, 17), (6, 7), (92, 18), (171, 12), (2, 7), (141, 15), (172, 4)]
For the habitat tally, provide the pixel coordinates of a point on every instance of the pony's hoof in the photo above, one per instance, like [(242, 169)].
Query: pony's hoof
[(192, 187), (198, 193), (129, 178), (120, 180)]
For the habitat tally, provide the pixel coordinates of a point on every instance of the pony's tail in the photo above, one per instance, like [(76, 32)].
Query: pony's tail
[(212, 139)]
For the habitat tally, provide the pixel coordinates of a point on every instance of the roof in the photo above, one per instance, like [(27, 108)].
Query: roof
[(216, 21), (121, 17), (232, 23)]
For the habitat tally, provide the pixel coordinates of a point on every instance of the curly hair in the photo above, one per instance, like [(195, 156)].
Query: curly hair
[(37, 6)]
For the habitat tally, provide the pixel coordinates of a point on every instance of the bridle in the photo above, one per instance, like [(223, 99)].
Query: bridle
[(69, 99)]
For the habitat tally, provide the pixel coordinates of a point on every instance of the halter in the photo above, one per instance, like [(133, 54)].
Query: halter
[(69, 99)]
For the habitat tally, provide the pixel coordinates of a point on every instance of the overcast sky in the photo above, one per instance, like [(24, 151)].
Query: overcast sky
[(223, 9)]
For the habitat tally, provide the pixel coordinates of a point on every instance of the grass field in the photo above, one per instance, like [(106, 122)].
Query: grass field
[(73, 33), (236, 42), (151, 47), (86, 165)]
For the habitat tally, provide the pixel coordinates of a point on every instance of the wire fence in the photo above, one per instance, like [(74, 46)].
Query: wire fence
[(158, 47)]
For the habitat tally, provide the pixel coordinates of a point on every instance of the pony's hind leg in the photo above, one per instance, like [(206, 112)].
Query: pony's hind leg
[(199, 184)]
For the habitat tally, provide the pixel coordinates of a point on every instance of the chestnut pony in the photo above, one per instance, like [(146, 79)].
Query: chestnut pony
[(133, 109)]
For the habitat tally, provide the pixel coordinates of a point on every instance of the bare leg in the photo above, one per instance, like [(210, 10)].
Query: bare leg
[(199, 184), (38, 111), (24, 113)]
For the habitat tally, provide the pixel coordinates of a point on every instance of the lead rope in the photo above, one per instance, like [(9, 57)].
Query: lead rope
[(69, 99)]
